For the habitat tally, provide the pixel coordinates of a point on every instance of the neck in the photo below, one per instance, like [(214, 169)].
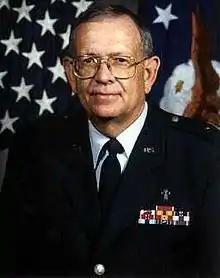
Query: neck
[(109, 128)]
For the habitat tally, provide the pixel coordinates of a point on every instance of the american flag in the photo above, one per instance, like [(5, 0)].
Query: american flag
[(173, 25), (33, 34)]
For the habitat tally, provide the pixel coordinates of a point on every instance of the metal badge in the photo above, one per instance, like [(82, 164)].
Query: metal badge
[(166, 193), (76, 148), (149, 150)]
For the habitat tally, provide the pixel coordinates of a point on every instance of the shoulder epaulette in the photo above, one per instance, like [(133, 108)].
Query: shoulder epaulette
[(205, 130)]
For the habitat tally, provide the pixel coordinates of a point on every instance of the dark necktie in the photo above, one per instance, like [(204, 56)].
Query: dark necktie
[(110, 174)]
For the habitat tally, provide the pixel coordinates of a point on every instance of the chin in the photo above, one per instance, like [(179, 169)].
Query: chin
[(105, 112), (104, 117)]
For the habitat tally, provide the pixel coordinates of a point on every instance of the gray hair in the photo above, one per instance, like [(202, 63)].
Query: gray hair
[(103, 9)]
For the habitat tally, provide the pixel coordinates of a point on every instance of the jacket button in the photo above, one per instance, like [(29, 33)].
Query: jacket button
[(99, 269)]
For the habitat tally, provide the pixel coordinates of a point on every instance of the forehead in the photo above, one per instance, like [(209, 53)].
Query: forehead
[(107, 35)]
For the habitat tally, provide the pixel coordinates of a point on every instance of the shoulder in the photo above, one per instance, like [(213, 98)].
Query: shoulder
[(189, 127), (51, 132)]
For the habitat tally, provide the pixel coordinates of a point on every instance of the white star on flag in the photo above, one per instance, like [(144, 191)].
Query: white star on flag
[(65, 36), (4, 3), (12, 43), (7, 122), (81, 6), (47, 24), (34, 56), (23, 11), (53, 1), (45, 103), (165, 16), (22, 90), (58, 71), (2, 74)]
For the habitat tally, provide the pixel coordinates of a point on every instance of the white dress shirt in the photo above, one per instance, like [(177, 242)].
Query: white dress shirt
[(127, 139)]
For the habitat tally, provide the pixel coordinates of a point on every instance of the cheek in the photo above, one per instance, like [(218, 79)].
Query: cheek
[(135, 87), (140, 80), (81, 88)]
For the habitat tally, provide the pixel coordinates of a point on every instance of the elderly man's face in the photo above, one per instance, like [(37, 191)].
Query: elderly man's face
[(104, 96)]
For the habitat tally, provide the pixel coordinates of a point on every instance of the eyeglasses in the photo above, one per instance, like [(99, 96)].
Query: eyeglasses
[(122, 67)]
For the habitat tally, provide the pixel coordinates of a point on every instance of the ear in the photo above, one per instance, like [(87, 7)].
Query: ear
[(151, 67), (68, 68)]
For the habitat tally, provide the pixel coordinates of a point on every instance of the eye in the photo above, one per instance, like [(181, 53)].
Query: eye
[(87, 60), (121, 61)]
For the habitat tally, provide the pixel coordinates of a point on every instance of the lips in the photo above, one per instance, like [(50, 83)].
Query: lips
[(104, 98), (104, 93)]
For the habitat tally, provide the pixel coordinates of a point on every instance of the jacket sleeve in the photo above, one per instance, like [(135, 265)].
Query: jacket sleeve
[(16, 208), (209, 224)]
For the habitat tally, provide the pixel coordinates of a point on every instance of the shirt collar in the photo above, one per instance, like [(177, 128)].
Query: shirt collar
[(97, 140), (127, 138)]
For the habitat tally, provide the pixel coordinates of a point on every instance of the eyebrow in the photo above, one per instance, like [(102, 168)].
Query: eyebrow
[(112, 53)]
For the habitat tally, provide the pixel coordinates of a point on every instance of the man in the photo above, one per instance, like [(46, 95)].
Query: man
[(66, 210)]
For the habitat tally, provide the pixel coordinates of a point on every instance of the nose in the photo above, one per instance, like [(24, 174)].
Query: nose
[(104, 74)]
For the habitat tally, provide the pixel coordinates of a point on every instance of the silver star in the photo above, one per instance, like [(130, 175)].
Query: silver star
[(81, 6), (23, 11), (11, 44), (7, 122), (22, 90), (57, 71), (2, 74), (47, 24), (45, 103), (4, 3), (165, 16), (34, 56), (65, 36)]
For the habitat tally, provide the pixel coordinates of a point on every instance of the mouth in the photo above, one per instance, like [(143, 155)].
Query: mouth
[(106, 96)]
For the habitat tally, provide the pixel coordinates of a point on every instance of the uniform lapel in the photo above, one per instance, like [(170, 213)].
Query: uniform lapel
[(79, 184), (138, 185)]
